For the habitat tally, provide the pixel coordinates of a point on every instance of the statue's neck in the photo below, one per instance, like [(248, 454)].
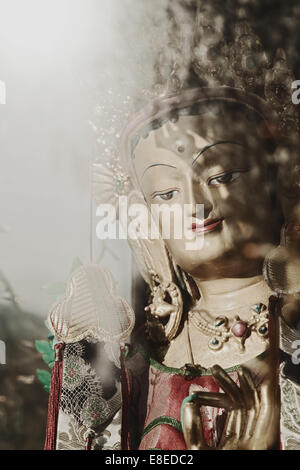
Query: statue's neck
[(232, 294)]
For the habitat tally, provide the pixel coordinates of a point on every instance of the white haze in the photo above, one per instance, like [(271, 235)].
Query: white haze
[(55, 56)]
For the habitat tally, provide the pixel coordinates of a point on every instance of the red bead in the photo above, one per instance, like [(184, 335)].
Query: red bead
[(239, 329)]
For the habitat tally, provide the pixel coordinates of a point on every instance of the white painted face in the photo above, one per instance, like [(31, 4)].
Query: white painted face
[(220, 163)]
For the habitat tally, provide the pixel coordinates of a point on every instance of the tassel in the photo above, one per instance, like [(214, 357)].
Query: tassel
[(274, 335), (125, 435), (89, 436), (54, 397)]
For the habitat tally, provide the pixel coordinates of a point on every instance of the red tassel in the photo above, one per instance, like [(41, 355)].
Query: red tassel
[(125, 437), (88, 443), (89, 440), (54, 397)]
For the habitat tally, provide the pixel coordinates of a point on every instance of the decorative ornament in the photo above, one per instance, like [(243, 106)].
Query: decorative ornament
[(109, 182), (91, 308), (166, 302), (95, 411), (237, 60), (222, 330), (108, 122), (278, 85)]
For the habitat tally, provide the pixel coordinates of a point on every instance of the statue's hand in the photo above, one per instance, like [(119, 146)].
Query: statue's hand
[(252, 420)]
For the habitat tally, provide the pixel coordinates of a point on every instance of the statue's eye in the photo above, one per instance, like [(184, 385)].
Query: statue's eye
[(166, 196), (226, 178)]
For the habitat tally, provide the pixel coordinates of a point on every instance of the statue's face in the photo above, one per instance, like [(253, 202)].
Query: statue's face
[(229, 178)]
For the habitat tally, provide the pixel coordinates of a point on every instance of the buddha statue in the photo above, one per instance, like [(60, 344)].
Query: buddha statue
[(210, 367)]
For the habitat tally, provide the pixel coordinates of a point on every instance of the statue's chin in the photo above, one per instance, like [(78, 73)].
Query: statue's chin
[(226, 264)]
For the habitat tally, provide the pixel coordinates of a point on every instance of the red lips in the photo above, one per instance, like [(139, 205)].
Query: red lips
[(207, 226)]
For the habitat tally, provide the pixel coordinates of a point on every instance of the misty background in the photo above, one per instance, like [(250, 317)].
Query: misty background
[(55, 57)]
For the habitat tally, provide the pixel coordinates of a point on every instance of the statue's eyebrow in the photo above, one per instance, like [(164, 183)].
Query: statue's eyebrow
[(158, 164), (212, 145)]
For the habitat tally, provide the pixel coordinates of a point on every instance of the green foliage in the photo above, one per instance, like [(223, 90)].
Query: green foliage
[(45, 348), (44, 376)]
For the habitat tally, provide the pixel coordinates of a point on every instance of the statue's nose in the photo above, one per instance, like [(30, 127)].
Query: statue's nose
[(202, 202)]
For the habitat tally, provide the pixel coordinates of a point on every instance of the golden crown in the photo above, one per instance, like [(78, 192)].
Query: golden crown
[(208, 54)]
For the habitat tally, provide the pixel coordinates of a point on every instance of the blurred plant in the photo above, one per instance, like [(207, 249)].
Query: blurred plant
[(45, 347), (7, 294), (44, 377)]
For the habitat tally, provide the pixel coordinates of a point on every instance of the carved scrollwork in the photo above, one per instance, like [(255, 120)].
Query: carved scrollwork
[(166, 308)]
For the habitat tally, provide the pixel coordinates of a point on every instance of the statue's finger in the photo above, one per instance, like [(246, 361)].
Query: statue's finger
[(217, 400), (248, 382), (227, 384), (192, 427), (228, 435), (246, 388)]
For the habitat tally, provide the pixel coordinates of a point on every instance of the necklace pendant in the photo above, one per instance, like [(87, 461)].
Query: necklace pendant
[(215, 343), (239, 329), (221, 334), (258, 308), (221, 321), (260, 322), (221, 330)]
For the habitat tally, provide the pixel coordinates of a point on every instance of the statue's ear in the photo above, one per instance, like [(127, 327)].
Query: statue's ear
[(150, 254), (156, 267)]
